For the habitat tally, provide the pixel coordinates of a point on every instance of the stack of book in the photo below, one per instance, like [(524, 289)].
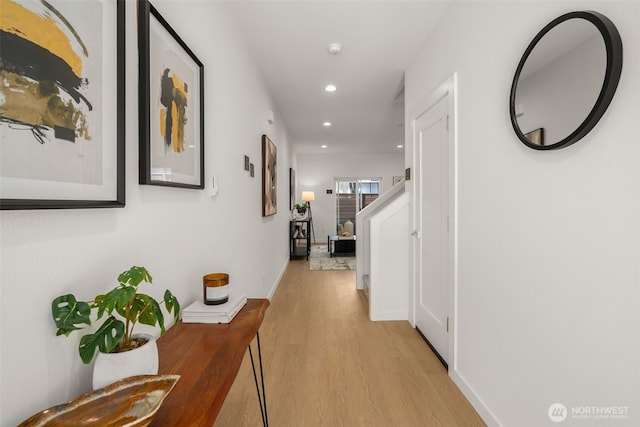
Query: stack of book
[(199, 312)]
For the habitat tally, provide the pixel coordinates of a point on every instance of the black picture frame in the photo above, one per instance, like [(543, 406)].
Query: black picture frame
[(292, 188), (87, 169), (269, 177), (169, 155)]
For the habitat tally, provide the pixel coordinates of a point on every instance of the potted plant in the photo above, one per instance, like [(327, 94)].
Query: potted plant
[(124, 308), (300, 211)]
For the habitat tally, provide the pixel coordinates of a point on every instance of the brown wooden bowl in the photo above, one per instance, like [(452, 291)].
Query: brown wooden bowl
[(130, 402)]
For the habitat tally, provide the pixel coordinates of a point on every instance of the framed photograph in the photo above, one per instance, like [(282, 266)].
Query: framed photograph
[(536, 136), (269, 177), (292, 188), (62, 108), (252, 172), (171, 96), (246, 163)]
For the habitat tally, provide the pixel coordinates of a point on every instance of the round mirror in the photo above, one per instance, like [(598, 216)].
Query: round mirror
[(565, 80)]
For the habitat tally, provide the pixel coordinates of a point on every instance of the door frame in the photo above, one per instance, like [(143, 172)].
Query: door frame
[(448, 89)]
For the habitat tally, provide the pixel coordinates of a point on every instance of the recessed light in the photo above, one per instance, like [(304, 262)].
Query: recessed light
[(399, 146), (323, 146), (334, 48), (326, 124), (330, 88)]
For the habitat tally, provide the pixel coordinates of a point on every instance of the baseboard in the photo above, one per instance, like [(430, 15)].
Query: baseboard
[(277, 281), (389, 315), (478, 404)]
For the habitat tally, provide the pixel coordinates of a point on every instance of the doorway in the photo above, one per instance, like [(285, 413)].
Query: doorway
[(353, 195), (434, 221)]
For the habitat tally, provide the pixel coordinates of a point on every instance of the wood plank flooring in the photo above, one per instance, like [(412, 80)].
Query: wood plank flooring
[(327, 365)]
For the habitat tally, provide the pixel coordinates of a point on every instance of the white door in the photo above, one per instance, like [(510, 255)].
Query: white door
[(432, 228)]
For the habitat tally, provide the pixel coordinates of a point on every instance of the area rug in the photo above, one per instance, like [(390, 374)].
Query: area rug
[(320, 260)]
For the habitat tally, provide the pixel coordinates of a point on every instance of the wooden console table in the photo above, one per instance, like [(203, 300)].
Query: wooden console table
[(208, 357)]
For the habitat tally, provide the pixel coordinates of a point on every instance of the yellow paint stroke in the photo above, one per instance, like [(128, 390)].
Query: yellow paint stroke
[(178, 84), (174, 129), (178, 111), (41, 30), (162, 124)]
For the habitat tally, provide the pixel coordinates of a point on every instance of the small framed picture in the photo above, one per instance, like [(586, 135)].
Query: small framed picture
[(246, 163), (536, 136), (269, 177), (292, 188), (251, 170)]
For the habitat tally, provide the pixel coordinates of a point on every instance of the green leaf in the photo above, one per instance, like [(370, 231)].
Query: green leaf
[(172, 304), (105, 339), (134, 276), (159, 315), (68, 313), (144, 310), (116, 299)]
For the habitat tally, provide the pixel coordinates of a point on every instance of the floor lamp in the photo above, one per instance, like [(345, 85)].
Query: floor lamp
[(309, 196)]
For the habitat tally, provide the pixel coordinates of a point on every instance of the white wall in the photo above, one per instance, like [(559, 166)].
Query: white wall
[(549, 242), (317, 172), (178, 234), (388, 248)]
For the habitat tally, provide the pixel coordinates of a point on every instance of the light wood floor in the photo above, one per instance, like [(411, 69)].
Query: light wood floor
[(326, 364)]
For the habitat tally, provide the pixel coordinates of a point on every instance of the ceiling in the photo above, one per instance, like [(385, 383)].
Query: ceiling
[(289, 41)]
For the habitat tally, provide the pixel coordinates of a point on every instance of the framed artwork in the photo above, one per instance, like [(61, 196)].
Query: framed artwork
[(252, 172), (536, 136), (171, 96), (269, 177), (62, 108), (246, 163), (292, 188)]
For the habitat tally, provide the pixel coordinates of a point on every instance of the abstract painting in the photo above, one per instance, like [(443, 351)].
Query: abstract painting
[(61, 104), (269, 177), (171, 105)]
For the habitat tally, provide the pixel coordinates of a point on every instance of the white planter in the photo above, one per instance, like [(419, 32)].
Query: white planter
[(299, 216), (111, 367)]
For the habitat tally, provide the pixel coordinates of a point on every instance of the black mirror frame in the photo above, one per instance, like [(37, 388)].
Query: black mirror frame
[(613, 44)]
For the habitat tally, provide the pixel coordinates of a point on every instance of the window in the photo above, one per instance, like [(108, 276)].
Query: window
[(353, 195)]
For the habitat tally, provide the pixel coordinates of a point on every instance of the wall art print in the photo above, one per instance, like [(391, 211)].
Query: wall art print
[(171, 105), (536, 136), (61, 104), (292, 188), (269, 177)]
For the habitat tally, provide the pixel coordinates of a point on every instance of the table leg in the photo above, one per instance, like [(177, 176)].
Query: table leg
[(262, 399)]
